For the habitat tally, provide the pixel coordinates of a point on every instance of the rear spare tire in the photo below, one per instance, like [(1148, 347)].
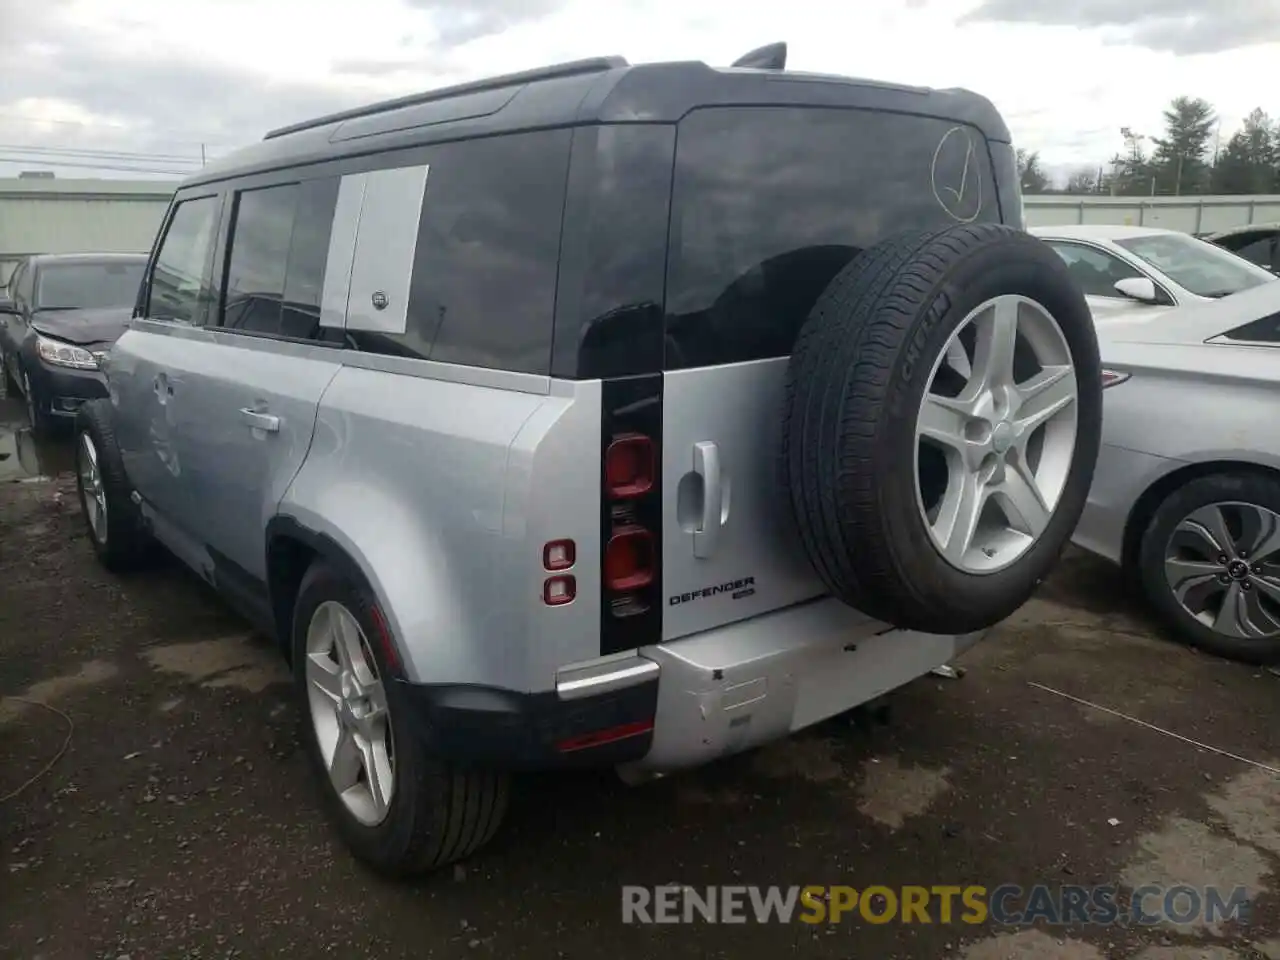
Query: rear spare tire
[(942, 421)]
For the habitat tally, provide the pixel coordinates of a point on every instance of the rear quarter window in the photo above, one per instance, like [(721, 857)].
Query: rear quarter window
[(770, 203)]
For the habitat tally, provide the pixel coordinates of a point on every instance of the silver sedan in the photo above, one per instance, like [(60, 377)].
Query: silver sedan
[(1186, 495)]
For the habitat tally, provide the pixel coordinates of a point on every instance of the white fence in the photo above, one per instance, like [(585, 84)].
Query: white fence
[(1188, 214)]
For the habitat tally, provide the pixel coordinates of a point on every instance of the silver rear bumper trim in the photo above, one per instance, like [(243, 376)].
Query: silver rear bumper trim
[(589, 681)]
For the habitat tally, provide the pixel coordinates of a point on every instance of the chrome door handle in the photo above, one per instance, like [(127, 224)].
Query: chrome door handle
[(259, 420), (706, 464)]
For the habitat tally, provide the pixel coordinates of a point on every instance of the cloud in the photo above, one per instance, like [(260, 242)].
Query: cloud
[(1175, 26), (460, 22)]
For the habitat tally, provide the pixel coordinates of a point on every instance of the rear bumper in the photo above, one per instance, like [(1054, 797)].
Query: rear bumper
[(1119, 479), (684, 703), (747, 684)]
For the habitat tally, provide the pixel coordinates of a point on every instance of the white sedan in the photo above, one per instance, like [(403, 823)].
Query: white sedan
[(1128, 270)]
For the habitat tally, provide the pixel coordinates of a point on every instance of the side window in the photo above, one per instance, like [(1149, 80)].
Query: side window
[(1265, 330), (1095, 271), (15, 281), (275, 268), (769, 204), (180, 289), (483, 285), (258, 258)]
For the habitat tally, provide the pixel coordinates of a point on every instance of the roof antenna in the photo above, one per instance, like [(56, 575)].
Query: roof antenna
[(772, 56)]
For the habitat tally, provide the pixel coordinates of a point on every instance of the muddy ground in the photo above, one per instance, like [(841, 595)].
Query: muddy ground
[(181, 822)]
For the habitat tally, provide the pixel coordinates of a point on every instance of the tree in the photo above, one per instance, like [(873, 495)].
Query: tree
[(1180, 161), (1031, 175), (1131, 170), (1084, 181)]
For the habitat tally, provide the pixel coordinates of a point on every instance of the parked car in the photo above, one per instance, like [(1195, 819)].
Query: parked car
[(1258, 243), (1186, 496), (1142, 270), (599, 415), (58, 316)]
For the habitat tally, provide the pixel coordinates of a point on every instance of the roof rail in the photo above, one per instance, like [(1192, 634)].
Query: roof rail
[(571, 69)]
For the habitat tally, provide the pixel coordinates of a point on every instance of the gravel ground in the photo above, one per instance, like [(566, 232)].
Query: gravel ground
[(181, 821)]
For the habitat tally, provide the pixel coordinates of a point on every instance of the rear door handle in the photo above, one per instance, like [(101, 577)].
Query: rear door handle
[(706, 464), (260, 420)]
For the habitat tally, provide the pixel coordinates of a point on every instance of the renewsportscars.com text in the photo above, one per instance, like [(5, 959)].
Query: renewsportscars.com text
[(1005, 905)]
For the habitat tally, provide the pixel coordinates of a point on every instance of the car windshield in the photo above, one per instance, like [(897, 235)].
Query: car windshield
[(78, 286), (1202, 268)]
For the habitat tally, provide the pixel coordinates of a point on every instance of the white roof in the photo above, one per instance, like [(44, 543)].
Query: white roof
[(1098, 231)]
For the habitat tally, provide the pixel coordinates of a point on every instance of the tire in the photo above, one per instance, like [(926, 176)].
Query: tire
[(124, 543), (437, 814), (1256, 490), (856, 382)]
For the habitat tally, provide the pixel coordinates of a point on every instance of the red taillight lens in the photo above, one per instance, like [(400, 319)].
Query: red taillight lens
[(559, 555), (628, 559), (557, 591), (629, 465)]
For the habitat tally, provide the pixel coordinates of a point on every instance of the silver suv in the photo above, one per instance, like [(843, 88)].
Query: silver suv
[(598, 415)]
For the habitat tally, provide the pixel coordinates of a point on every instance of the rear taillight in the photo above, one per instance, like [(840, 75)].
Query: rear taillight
[(628, 559), (1112, 377), (631, 531), (630, 556), (629, 466)]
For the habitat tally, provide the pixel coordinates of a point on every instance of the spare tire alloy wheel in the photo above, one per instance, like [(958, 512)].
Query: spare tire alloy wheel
[(943, 416), (1006, 444), (349, 713)]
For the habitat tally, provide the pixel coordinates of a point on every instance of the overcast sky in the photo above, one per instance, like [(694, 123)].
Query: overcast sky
[(164, 77)]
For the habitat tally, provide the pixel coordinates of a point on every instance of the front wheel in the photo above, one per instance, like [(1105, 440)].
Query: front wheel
[(1210, 565), (113, 521), (398, 808)]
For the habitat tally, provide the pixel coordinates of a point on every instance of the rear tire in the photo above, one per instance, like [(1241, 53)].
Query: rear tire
[(1175, 557), (436, 814), (869, 352), (123, 543)]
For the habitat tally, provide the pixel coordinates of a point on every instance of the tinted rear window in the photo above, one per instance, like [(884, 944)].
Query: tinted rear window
[(88, 285), (771, 202)]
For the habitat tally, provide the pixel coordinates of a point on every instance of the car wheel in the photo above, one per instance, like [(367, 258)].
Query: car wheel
[(942, 422), (398, 808), (114, 523), (1210, 565)]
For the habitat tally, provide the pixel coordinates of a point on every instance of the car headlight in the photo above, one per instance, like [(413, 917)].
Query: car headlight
[(64, 354)]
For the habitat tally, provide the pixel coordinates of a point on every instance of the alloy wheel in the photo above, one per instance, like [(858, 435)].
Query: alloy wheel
[(349, 713), (93, 497), (1222, 564), (996, 434)]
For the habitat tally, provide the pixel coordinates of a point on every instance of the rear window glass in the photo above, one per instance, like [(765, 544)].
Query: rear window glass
[(75, 286), (771, 202)]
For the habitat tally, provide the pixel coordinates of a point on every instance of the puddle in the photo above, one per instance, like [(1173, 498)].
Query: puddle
[(1031, 945), (891, 794), (52, 690), (21, 457), (1186, 852), (229, 662)]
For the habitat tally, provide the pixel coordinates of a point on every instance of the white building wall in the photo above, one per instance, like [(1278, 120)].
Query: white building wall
[(73, 216)]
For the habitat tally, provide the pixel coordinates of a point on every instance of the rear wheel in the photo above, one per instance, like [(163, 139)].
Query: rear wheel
[(1210, 565), (943, 419), (398, 808)]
